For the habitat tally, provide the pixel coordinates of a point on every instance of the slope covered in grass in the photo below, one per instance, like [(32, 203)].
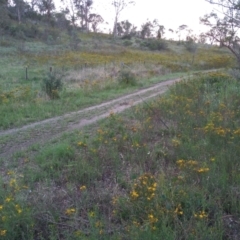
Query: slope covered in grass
[(90, 69), (168, 169)]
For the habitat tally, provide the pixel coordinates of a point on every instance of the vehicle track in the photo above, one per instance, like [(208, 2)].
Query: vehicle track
[(18, 139)]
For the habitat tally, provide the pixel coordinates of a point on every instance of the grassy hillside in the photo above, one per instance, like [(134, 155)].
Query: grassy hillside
[(90, 68), (168, 169)]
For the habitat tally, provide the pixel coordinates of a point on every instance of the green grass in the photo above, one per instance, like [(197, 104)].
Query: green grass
[(168, 169), (23, 101), (22, 105)]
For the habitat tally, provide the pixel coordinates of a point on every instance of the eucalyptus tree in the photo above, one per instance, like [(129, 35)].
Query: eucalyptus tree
[(94, 20), (160, 31), (4, 17), (70, 11), (146, 29), (180, 29), (47, 7), (83, 8), (20, 8), (119, 6), (126, 29), (149, 29), (224, 25)]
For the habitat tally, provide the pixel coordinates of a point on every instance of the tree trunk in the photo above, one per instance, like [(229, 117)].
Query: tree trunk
[(115, 28), (19, 15)]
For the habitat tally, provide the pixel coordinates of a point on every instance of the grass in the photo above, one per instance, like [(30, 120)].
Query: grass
[(168, 168), (24, 105), (91, 74)]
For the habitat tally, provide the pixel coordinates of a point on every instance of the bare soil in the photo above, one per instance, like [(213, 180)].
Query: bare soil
[(19, 139)]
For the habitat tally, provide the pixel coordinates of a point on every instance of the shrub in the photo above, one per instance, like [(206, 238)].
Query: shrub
[(127, 37), (155, 45), (216, 78), (127, 77), (191, 46), (235, 73), (127, 43), (5, 43), (52, 84)]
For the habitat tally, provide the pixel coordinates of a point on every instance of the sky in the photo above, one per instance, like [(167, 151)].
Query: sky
[(170, 13)]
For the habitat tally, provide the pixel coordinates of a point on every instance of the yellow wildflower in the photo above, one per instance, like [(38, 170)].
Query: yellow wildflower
[(202, 170), (18, 208), (3, 232), (201, 214), (12, 182), (8, 199), (82, 188), (152, 219), (92, 214), (78, 233), (70, 211), (134, 194)]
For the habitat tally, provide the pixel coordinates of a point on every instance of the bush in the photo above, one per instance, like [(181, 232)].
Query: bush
[(127, 43), (235, 73), (32, 31), (50, 35), (52, 84), (155, 45), (191, 46), (216, 78), (127, 77), (5, 43), (127, 37)]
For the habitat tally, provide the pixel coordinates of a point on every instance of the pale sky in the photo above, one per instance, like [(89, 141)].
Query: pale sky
[(170, 13)]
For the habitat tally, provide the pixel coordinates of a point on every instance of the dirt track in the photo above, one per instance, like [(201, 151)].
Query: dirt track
[(17, 139)]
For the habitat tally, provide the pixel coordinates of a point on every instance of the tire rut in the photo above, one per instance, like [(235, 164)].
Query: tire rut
[(19, 139)]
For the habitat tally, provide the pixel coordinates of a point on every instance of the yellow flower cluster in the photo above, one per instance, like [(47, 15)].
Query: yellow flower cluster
[(201, 214), (20, 93), (192, 165), (178, 210), (3, 232), (82, 144), (176, 142), (82, 188), (187, 163), (202, 170), (70, 211), (144, 188), (18, 209), (152, 218), (236, 132), (220, 131)]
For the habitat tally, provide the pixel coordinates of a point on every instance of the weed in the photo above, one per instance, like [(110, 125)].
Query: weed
[(126, 77), (155, 45), (52, 84)]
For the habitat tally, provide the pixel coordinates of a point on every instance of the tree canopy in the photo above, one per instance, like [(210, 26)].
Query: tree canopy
[(224, 25)]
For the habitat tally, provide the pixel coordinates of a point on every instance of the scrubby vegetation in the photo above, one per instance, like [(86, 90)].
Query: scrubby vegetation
[(93, 68), (168, 169)]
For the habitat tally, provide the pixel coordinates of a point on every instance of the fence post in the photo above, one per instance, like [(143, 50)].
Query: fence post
[(26, 72)]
